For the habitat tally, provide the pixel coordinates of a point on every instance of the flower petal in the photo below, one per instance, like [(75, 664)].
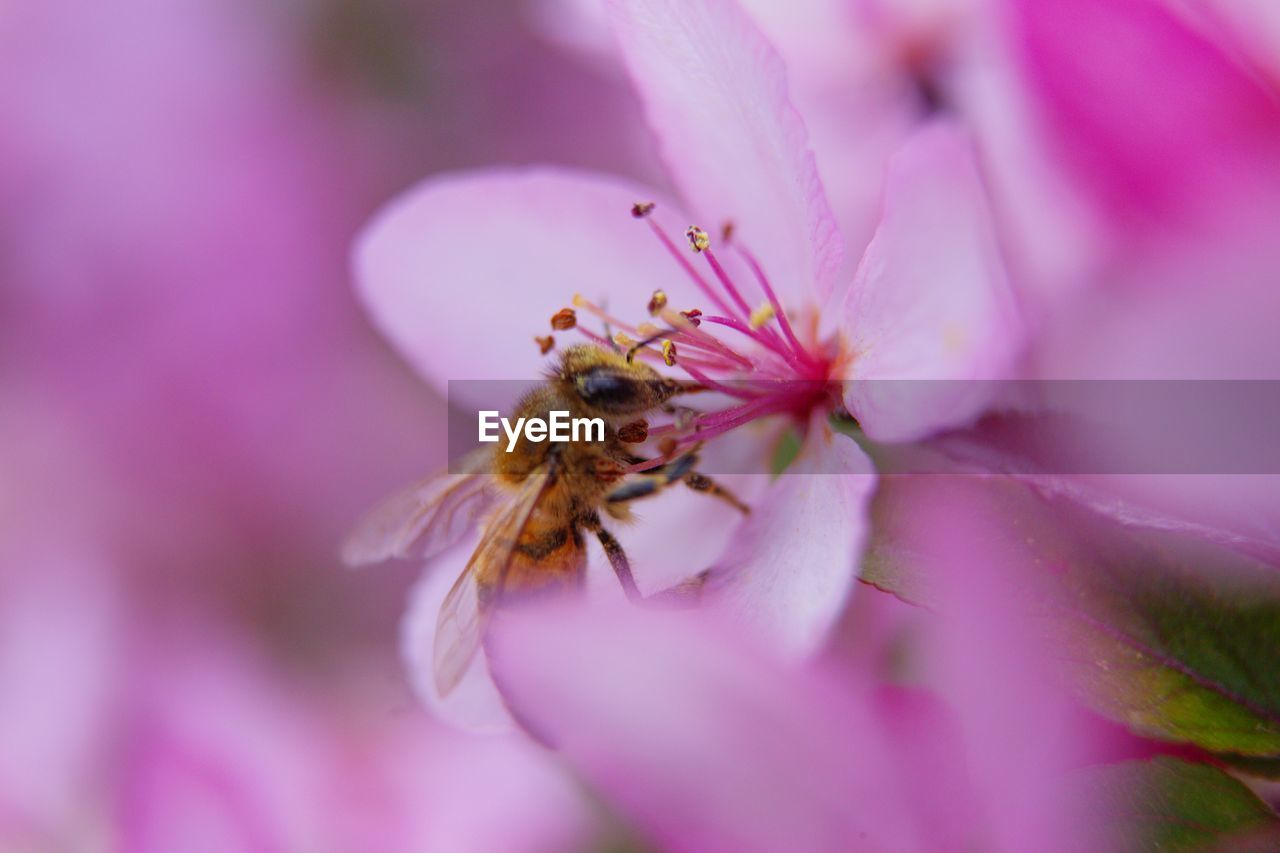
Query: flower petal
[(702, 739), (474, 704), (716, 95), (680, 532), (987, 653), (1158, 122), (930, 300), (461, 272), (792, 565)]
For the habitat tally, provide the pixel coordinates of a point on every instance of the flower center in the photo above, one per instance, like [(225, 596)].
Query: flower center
[(752, 356)]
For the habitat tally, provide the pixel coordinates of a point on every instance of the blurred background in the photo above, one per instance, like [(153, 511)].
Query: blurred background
[(193, 412), (193, 408)]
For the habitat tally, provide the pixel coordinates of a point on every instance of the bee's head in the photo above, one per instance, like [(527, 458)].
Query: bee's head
[(611, 384)]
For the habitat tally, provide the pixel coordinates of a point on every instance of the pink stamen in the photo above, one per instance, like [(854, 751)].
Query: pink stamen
[(693, 335), (763, 334), (675, 252), (599, 339), (741, 415), (653, 355), (727, 283), (776, 375), (769, 293), (771, 343), (604, 316), (745, 414), (717, 386)]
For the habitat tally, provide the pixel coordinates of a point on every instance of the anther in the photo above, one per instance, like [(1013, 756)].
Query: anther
[(564, 319), (669, 353), (762, 315), (726, 230), (636, 432), (647, 330), (692, 316), (698, 238), (657, 302), (546, 344), (608, 471), (667, 447), (641, 209), (623, 340), (685, 418)]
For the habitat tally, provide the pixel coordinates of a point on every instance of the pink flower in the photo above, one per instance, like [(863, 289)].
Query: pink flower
[(175, 210), (707, 739), (135, 720), (1180, 154), (1131, 148), (221, 753), (460, 272)]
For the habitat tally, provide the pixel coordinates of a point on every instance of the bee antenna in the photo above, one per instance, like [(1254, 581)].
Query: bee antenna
[(608, 335), (631, 353)]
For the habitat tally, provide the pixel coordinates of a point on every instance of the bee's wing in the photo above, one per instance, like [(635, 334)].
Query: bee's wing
[(425, 518), (463, 617)]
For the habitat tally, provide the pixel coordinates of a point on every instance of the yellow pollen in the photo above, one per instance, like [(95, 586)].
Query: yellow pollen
[(698, 238), (657, 302), (622, 340), (669, 353), (762, 315), (580, 301)]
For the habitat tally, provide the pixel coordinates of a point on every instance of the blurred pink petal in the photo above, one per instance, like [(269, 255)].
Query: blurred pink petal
[(1162, 126), (451, 791), (699, 736), (60, 659), (708, 742), (487, 258), (178, 196), (930, 300), (474, 704), (224, 754), (218, 761), (1250, 28), (991, 660), (790, 567), (716, 96)]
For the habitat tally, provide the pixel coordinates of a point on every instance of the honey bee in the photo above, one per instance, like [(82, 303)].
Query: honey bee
[(540, 498)]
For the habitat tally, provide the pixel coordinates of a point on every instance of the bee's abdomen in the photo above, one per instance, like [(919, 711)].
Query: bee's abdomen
[(548, 554)]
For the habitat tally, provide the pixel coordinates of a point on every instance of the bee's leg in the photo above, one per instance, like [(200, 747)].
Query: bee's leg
[(680, 468), (684, 594), (654, 480), (703, 483), (617, 557)]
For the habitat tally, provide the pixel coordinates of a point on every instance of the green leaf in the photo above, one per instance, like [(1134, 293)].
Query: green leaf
[(785, 451), (1249, 765), (1173, 805), (1175, 637)]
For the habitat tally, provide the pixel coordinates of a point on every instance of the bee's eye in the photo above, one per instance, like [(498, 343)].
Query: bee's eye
[(606, 389)]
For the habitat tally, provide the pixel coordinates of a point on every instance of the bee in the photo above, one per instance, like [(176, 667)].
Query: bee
[(538, 500)]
